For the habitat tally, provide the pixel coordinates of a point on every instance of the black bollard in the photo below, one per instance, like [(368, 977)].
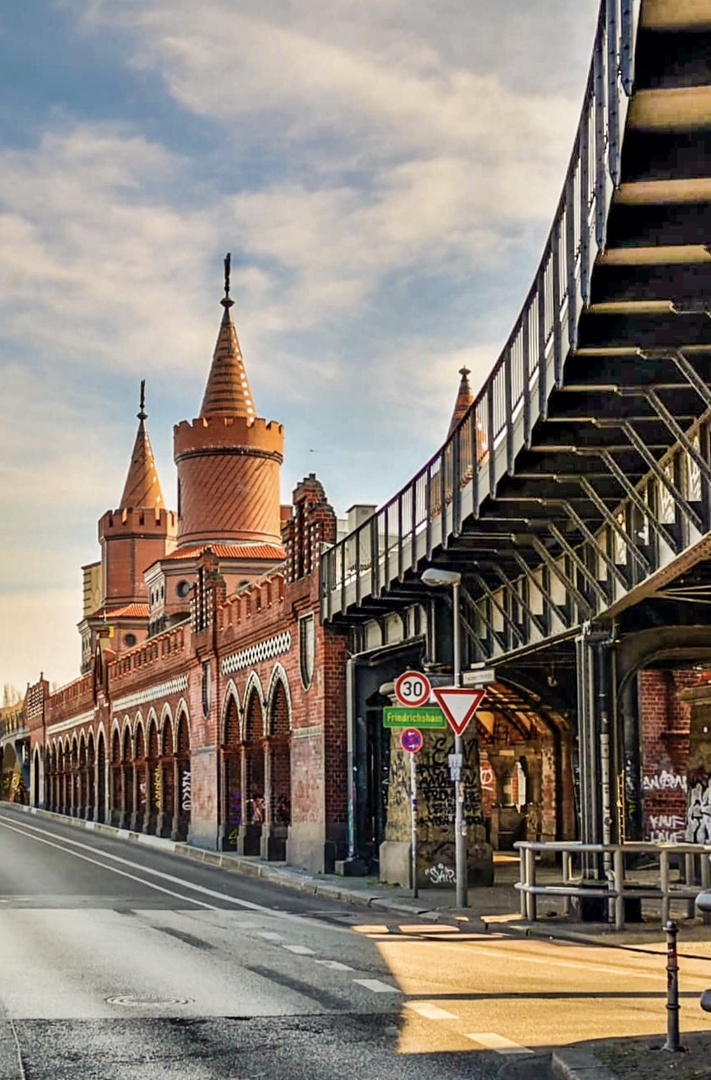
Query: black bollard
[(672, 1044)]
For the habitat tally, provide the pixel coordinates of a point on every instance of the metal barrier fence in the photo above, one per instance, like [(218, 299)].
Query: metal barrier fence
[(482, 447), (615, 886)]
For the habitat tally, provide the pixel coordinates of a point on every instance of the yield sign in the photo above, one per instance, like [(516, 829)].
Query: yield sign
[(458, 705)]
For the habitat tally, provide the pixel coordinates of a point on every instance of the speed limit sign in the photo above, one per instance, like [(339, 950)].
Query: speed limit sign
[(412, 688)]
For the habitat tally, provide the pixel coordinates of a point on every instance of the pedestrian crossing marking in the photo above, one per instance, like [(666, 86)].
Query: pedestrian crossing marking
[(489, 1040), (377, 986), (430, 1012)]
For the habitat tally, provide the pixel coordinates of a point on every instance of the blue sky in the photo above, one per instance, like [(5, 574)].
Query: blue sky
[(384, 175)]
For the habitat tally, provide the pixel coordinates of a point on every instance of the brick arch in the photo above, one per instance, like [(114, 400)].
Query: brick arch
[(184, 793), (166, 716), (253, 709), (126, 743), (100, 775), (232, 722), (279, 709), (139, 744), (167, 739)]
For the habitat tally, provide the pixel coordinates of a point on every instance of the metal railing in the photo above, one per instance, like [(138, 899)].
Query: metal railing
[(615, 887), (482, 448)]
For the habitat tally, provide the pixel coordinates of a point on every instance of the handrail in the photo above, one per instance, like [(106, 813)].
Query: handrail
[(430, 504), (614, 887)]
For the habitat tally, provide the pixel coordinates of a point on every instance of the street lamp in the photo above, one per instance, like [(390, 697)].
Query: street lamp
[(451, 579)]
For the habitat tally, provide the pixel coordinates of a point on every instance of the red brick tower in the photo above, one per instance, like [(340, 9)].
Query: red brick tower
[(464, 399), (228, 459), (139, 532)]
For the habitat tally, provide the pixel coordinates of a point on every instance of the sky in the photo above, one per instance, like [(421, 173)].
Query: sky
[(384, 175)]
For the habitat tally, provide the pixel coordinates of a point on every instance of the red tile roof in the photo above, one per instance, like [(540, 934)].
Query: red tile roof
[(129, 611), (231, 551)]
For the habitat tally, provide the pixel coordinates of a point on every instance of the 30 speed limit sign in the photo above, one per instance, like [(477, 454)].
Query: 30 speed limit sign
[(412, 688)]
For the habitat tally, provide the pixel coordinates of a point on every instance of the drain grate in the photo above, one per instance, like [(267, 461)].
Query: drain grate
[(147, 1000)]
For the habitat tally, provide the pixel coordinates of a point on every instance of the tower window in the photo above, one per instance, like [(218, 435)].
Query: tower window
[(129, 640), (182, 589)]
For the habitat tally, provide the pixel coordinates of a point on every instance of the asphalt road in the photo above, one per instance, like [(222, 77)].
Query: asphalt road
[(118, 961)]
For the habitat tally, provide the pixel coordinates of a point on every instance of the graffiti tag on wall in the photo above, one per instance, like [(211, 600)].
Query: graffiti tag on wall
[(666, 828), (185, 791), (698, 810), (664, 780)]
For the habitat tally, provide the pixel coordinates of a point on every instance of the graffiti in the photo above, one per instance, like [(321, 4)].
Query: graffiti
[(234, 806), (232, 838), (185, 791), (666, 828), (142, 793), (698, 810), (664, 781), (157, 786), (440, 874), (487, 778)]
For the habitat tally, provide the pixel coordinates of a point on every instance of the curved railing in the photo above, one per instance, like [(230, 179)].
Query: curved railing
[(482, 448)]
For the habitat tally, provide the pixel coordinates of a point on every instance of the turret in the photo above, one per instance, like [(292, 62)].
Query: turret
[(227, 458)]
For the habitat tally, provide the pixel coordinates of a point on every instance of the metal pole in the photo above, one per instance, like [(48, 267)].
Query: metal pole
[(413, 812), (672, 1044), (460, 825)]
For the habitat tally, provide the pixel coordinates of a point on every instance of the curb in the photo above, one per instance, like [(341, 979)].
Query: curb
[(235, 864), (571, 1063)]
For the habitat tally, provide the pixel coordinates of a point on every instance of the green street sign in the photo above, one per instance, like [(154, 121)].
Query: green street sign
[(426, 717)]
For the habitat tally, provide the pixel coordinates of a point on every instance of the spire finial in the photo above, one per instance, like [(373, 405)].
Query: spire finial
[(142, 405), (226, 302), (464, 371)]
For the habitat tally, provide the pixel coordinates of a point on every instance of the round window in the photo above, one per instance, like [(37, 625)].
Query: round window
[(182, 589), (129, 640)]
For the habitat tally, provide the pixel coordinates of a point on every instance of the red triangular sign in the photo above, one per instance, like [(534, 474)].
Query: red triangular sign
[(458, 705)]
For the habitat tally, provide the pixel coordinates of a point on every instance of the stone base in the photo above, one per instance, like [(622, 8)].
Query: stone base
[(350, 868), (272, 843), (249, 840), (395, 859), (435, 870), (314, 847)]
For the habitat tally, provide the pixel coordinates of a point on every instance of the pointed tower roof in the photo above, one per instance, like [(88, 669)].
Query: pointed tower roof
[(464, 399), (142, 487), (227, 392)]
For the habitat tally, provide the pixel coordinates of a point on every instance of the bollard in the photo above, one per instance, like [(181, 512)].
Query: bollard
[(672, 1044)]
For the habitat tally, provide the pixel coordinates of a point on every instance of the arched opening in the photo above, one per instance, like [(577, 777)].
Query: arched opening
[(36, 800), (232, 811), (184, 779), (154, 799), (117, 780), (74, 794), (127, 778), (254, 776), (100, 801), (167, 815), (90, 778), (279, 749), (140, 782), (82, 778)]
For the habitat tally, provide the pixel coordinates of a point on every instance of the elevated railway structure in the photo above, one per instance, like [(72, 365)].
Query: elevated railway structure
[(574, 497)]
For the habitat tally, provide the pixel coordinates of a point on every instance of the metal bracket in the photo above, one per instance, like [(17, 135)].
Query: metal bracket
[(535, 619), (678, 433), (545, 593), (577, 561), (484, 618), (648, 457), (563, 578), (501, 609), (614, 524), (638, 501)]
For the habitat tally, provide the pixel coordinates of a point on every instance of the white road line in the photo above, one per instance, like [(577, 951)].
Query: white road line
[(335, 965), (430, 1012), (111, 869), (269, 935), (300, 950), (377, 986), (489, 1040)]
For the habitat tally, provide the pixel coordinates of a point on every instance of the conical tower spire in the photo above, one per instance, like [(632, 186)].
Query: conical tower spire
[(464, 399), (227, 392), (142, 488)]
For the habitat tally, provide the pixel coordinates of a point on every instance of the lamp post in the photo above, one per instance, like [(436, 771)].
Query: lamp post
[(451, 579)]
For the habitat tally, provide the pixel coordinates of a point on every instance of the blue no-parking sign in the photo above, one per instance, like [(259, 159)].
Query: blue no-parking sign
[(411, 740)]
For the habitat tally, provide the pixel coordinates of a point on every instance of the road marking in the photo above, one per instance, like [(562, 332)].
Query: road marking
[(269, 935), (335, 965), (112, 869), (491, 1041), (431, 1012), (300, 950), (418, 928), (377, 986), (372, 929)]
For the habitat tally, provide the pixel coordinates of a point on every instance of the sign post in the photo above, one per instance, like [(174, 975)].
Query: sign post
[(411, 741), (458, 705)]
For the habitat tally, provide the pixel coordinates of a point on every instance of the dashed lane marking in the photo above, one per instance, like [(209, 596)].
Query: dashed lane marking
[(300, 950), (335, 965), (377, 986), (489, 1040), (430, 1012), (269, 935)]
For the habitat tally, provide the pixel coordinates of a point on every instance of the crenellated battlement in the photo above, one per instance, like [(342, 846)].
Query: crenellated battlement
[(227, 433), (139, 522)]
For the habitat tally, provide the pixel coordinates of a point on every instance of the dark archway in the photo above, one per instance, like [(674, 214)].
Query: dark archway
[(184, 778), (231, 812), (251, 831)]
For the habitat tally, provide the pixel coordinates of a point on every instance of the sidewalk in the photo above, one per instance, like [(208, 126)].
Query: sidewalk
[(491, 909)]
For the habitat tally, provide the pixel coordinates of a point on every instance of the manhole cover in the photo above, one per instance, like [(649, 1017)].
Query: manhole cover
[(149, 1000)]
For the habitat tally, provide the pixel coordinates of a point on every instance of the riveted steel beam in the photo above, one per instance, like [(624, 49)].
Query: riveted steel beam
[(639, 445), (614, 524), (678, 433), (580, 564), (635, 497), (545, 593), (590, 536), (518, 599), (500, 608)]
